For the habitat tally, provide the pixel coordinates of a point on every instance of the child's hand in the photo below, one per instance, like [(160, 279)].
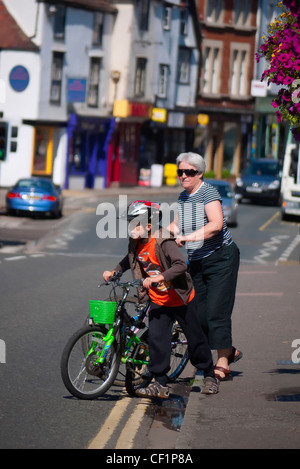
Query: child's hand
[(148, 282), (107, 274)]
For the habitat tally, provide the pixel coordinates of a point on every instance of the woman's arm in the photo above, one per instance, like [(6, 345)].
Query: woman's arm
[(214, 215)]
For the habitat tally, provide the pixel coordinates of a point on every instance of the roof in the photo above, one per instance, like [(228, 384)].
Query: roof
[(11, 35), (94, 5)]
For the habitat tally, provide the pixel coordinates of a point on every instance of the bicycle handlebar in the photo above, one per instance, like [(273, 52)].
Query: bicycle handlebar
[(133, 283)]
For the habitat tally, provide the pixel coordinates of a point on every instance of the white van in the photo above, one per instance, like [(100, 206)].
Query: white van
[(290, 182)]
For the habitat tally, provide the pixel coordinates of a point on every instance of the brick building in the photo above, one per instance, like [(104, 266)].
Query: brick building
[(228, 48)]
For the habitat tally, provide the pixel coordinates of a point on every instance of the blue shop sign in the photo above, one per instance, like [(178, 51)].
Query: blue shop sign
[(76, 90), (19, 78)]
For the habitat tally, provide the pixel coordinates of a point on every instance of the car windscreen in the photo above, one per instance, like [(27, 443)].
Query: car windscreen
[(224, 191), (262, 169)]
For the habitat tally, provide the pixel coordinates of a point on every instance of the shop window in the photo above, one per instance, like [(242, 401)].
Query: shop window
[(94, 81), (42, 157), (56, 77), (230, 143), (140, 77), (77, 153)]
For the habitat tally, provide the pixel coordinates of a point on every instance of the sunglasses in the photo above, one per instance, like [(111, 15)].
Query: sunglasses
[(188, 172)]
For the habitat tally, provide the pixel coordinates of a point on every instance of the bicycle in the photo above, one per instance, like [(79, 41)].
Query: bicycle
[(92, 357)]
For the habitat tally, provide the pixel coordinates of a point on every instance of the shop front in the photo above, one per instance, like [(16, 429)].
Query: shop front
[(89, 143)]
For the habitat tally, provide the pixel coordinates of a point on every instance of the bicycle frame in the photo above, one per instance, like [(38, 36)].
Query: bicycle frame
[(133, 340)]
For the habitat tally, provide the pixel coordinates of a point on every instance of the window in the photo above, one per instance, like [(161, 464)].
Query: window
[(98, 29), (167, 18), (214, 10), (241, 12), (212, 61), (184, 16), (144, 14), (94, 79), (184, 62), (140, 77), (56, 77), (59, 22), (163, 81), (239, 68)]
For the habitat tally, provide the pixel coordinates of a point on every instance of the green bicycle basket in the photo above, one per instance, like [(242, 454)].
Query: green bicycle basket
[(103, 312)]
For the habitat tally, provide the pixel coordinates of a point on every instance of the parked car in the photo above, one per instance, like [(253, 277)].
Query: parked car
[(260, 181), (35, 195), (229, 202)]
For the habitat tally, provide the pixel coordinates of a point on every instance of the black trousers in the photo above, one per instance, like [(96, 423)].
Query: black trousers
[(215, 280), (161, 319)]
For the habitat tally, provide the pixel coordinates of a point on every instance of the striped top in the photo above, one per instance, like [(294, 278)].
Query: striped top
[(192, 217)]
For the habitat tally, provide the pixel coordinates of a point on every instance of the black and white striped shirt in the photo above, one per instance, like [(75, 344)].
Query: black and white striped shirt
[(192, 217)]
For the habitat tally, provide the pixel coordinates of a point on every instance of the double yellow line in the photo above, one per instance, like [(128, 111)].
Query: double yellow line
[(113, 421)]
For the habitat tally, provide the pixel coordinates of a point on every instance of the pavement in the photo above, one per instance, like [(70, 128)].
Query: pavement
[(260, 407)]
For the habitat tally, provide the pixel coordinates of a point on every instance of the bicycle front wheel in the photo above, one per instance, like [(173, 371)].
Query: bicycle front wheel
[(83, 376)]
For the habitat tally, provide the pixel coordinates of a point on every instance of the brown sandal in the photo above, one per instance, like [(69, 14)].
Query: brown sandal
[(235, 356), (227, 377)]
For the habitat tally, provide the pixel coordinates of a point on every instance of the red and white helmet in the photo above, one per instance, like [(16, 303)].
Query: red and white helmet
[(140, 208)]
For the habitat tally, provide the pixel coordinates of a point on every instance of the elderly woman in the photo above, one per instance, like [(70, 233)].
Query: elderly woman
[(213, 257)]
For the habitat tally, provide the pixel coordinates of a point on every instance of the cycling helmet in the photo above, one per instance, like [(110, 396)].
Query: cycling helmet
[(140, 208)]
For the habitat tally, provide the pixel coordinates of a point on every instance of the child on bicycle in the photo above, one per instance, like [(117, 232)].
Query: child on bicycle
[(154, 255)]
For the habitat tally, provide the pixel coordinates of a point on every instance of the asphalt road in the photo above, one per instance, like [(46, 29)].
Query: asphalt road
[(44, 291)]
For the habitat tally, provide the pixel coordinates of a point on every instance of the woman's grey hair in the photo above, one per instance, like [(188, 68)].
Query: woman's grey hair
[(193, 159)]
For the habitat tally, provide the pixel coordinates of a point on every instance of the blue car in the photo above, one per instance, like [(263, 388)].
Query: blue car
[(35, 195)]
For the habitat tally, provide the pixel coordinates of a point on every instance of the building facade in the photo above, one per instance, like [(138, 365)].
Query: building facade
[(228, 46), (111, 88), (65, 109), (157, 69), (269, 136)]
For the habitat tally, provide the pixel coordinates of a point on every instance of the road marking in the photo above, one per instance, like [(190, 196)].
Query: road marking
[(110, 424), (15, 258), (286, 254), (269, 247), (265, 225), (261, 294), (127, 436)]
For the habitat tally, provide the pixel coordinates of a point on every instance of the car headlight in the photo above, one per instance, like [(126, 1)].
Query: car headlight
[(239, 182), (274, 185)]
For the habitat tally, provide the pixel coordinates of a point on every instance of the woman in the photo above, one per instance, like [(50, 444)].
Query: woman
[(213, 257)]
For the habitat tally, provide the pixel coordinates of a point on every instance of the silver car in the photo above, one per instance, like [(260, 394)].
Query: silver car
[(229, 201)]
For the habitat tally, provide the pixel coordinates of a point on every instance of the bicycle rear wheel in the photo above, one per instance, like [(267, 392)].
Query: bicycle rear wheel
[(82, 375), (179, 353)]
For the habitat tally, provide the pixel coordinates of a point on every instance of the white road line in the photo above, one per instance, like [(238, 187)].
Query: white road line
[(15, 258), (286, 254)]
